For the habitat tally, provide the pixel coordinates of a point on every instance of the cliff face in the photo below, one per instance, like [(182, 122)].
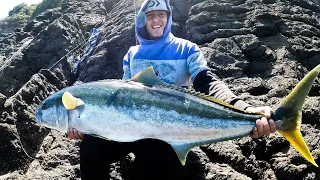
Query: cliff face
[(259, 48)]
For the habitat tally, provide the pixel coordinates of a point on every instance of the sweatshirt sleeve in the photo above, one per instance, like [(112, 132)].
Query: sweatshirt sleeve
[(126, 66), (208, 83), (196, 62)]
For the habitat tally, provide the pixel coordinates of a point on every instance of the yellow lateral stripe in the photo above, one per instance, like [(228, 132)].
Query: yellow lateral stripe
[(296, 140)]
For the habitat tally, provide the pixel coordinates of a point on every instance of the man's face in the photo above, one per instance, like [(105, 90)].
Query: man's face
[(156, 23)]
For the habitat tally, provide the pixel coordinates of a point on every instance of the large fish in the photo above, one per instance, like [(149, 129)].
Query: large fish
[(146, 107)]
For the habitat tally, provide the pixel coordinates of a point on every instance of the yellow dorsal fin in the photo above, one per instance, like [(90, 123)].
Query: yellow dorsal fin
[(209, 98), (215, 100), (149, 78), (70, 102)]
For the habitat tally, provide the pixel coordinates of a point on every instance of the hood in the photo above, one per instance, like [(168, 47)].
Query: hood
[(141, 31)]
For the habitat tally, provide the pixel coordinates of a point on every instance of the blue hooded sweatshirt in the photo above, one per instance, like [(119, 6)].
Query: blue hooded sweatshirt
[(176, 61)]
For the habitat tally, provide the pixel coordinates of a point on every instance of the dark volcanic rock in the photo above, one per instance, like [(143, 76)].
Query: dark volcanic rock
[(42, 21), (118, 35), (61, 36), (288, 163), (2, 100), (311, 115), (18, 113), (225, 58), (91, 13)]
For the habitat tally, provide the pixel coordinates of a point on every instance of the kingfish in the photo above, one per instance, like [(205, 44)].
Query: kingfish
[(145, 107)]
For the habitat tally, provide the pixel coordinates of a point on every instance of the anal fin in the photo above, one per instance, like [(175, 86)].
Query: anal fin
[(182, 151)]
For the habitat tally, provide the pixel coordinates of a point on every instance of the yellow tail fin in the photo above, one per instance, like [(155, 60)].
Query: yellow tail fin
[(288, 115), (296, 140)]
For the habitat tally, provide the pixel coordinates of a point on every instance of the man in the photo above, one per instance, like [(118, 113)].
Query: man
[(176, 61)]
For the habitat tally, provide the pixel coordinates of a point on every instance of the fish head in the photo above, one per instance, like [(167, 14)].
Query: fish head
[(52, 114)]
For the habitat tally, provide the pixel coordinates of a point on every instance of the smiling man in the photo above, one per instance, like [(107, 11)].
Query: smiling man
[(176, 61), (156, 22)]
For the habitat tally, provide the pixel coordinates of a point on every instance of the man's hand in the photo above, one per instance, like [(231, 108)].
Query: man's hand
[(74, 134), (265, 125)]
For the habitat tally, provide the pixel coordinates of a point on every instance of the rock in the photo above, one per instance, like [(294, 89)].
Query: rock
[(42, 53), (36, 25), (289, 164), (9, 145), (311, 113), (18, 112), (2, 99), (91, 13), (108, 55), (223, 171), (225, 58), (180, 10)]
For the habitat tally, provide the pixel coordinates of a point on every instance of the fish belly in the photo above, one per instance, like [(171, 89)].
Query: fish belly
[(131, 124)]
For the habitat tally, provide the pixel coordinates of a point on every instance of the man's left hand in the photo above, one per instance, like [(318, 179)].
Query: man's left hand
[(265, 125)]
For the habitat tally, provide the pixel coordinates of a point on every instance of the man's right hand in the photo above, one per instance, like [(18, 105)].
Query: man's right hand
[(74, 134)]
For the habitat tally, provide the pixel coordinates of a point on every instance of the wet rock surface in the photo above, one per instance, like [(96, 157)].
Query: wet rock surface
[(259, 48)]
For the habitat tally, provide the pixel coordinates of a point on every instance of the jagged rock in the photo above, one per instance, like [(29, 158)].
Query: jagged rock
[(7, 40), (42, 21), (311, 113), (50, 46), (225, 58), (7, 26), (119, 36), (223, 171), (2, 100), (9, 145), (91, 13), (288, 163), (243, 162), (18, 112)]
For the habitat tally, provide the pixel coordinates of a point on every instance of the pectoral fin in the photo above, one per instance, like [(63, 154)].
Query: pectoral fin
[(70, 102)]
